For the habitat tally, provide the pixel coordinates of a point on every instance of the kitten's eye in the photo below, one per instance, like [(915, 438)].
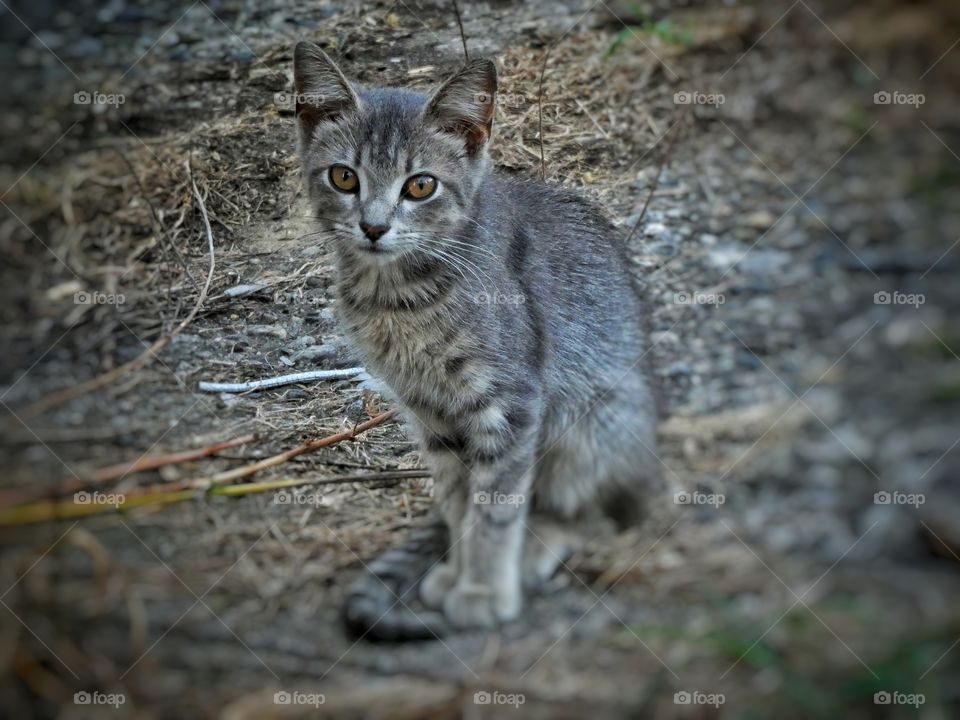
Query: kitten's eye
[(344, 179), (420, 187)]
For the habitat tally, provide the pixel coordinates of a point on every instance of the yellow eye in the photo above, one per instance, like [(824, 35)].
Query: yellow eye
[(420, 187), (344, 179)]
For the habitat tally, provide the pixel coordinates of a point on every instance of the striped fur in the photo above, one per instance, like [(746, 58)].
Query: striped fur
[(503, 316)]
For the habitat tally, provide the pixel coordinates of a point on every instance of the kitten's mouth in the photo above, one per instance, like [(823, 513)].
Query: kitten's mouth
[(376, 253)]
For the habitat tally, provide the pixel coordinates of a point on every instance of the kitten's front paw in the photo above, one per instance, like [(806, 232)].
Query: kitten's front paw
[(478, 606), (437, 585)]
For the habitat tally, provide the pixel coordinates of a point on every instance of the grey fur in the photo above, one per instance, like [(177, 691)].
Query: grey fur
[(503, 315)]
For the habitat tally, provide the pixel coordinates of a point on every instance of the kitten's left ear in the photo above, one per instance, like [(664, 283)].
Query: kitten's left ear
[(464, 104)]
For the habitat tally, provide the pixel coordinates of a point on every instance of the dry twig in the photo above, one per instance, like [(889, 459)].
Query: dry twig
[(543, 71), (281, 380), (17, 496), (214, 485), (463, 37), (675, 133)]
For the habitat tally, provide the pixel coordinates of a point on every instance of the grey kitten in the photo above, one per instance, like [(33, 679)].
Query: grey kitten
[(503, 316)]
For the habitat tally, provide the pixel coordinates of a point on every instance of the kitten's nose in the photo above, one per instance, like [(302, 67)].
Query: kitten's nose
[(373, 232)]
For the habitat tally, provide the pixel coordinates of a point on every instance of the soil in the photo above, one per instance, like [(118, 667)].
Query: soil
[(799, 258)]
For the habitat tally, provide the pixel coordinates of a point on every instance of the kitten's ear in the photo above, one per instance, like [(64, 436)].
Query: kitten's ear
[(464, 104), (323, 92)]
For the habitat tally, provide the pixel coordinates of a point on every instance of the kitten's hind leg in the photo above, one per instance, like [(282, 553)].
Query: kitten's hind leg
[(604, 458), (551, 542)]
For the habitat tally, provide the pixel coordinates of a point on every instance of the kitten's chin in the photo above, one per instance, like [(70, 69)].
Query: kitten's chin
[(375, 255)]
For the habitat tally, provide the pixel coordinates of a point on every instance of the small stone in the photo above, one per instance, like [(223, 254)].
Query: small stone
[(760, 220), (272, 330), (316, 352), (303, 341), (653, 229)]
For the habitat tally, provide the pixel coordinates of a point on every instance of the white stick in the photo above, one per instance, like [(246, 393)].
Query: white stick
[(303, 377)]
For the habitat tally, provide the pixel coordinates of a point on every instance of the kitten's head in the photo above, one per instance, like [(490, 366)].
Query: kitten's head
[(391, 172)]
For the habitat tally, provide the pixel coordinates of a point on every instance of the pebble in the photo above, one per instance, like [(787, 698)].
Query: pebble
[(654, 228), (677, 369), (272, 330), (303, 341), (315, 352)]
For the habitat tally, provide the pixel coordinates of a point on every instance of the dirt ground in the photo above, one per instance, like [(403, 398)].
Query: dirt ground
[(799, 255)]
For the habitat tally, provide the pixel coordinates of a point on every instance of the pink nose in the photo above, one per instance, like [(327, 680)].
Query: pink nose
[(374, 232)]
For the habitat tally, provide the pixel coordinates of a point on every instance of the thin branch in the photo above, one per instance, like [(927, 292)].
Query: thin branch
[(48, 511), (543, 71), (164, 238), (17, 496), (71, 393), (281, 380), (248, 470), (656, 180), (214, 485), (463, 37)]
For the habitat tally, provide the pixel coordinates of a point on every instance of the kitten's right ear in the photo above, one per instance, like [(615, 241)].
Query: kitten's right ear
[(323, 93), (464, 104)]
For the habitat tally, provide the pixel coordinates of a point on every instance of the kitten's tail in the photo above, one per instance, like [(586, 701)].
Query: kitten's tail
[(377, 607)]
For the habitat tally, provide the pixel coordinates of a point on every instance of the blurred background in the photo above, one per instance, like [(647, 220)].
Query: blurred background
[(788, 176)]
